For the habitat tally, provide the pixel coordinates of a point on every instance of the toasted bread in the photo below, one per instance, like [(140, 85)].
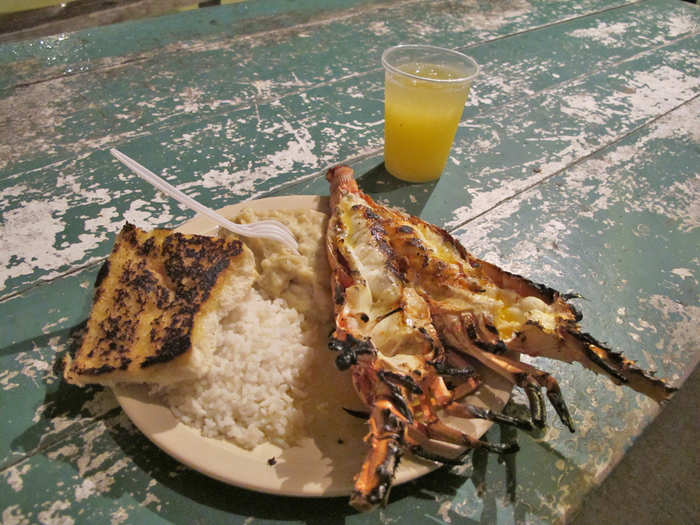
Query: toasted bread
[(158, 302)]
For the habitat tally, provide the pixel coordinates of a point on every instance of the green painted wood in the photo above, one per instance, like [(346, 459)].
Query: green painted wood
[(578, 173), (543, 233), (85, 51), (176, 84), (498, 154), (39, 327), (298, 135), (82, 52)]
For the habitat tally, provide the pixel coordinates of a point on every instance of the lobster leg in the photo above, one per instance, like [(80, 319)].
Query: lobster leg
[(419, 451), (386, 437), (456, 331), (530, 379), (436, 429), (474, 412), (447, 399), (570, 345), (462, 369)]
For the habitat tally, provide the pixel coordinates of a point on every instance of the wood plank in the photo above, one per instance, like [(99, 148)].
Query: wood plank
[(74, 210), (81, 52), (90, 50), (109, 472), (38, 328)]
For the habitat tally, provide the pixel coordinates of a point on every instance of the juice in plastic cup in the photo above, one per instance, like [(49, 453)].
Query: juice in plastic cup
[(426, 88)]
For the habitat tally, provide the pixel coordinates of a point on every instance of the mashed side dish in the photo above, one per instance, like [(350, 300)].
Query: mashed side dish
[(272, 377)]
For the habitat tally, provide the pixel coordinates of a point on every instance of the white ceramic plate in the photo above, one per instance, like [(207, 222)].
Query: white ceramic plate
[(321, 465)]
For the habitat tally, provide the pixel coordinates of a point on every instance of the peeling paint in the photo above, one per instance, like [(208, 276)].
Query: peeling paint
[(531, 197)]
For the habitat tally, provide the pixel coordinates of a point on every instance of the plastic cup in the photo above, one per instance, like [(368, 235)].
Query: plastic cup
[(426, 88)]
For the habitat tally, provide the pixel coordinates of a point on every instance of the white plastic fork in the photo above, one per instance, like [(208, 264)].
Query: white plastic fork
[(267, 229)]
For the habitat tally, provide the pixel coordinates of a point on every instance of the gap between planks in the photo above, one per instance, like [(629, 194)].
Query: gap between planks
[(576, 162)]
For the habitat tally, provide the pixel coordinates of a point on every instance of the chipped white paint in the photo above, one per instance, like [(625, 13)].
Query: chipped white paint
[(684, 273), (29, 235), (379, 28), (648, 93), (65, 451), (444, 511), (150, 499), (48, 327), (492, 17), (190, 100), (13, 476), (6, 379), (52, 515), (299, 152), (119, 516), (266, 89), (35, 366), (679, 23), (683, 335), (139, 215), (95, 478), (605, 33), (12, 515)]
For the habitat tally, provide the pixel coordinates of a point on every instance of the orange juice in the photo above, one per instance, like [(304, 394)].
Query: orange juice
[(421, 117)]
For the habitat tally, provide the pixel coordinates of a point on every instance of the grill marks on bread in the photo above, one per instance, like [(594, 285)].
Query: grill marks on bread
[(148, 296)]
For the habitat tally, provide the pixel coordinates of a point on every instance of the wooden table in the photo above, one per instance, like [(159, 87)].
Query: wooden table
[(576, 164)]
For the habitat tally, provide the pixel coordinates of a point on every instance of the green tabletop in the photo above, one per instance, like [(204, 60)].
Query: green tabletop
[(575, 164)]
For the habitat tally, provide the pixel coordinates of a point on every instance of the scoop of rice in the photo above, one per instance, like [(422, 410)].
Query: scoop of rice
[(260, 369), (272, 377)]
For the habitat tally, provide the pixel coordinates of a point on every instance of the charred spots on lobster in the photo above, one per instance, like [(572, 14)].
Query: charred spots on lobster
[(571, 295), (400, 379), (339, 294), (346, 359), (392, 424), (349, 349), (445, 370), (359, 414), (498, 348), (399, 402), (490, 327), (590, 344)]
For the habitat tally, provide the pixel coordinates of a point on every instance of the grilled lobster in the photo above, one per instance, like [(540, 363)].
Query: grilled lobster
[(413, 307)]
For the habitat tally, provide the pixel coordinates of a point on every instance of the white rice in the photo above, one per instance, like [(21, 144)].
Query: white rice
[(256, 375), (272, 377)]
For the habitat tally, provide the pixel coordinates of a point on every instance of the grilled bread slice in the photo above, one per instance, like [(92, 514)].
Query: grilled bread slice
[(158, 302)]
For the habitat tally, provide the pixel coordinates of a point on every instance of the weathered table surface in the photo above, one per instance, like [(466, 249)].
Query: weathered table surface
[(576, 164)]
